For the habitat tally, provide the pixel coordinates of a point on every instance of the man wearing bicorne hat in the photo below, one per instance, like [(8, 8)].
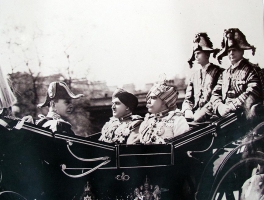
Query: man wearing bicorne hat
[(162, 121), (123, 127), (58, 99), (239, 88), (202, 82)]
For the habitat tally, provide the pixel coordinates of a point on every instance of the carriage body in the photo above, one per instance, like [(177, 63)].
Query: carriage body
[(39, 164)]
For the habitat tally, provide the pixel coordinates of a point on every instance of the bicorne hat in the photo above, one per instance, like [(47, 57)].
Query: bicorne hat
[(202, 42), (233, 38), (58, 90)]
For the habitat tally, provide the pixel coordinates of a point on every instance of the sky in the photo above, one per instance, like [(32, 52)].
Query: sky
[(119, 41)]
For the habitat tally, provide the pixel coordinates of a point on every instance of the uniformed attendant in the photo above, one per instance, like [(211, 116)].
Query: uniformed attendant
[(58, 99), (239, 88), (162, 121), (123, 126), (203, 81)]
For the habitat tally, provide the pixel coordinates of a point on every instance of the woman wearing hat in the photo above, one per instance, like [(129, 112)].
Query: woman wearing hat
[(123, 126), (202, 82), (58, 100), (162, 121), (239, 88)]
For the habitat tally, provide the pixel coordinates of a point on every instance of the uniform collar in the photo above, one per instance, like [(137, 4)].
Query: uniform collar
[(125, 117), (236, 64), (205, 67), (162, 113), (53, 115)]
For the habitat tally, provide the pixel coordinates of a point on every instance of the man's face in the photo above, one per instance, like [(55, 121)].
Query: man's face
[(154, 104), (64, 107), (118, 108), (235, 55), (201, 57)]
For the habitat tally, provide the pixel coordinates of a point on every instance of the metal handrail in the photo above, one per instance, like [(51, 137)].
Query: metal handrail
[(84, 159), (63, 168)]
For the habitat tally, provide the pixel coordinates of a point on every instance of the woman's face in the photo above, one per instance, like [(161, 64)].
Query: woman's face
[(118, 108), (154, 104)]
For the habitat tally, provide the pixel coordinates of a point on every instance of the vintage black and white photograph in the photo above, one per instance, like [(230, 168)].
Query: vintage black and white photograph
[(131, 100)]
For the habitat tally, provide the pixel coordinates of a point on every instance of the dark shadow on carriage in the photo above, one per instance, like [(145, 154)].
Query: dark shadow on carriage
[(39, 164)]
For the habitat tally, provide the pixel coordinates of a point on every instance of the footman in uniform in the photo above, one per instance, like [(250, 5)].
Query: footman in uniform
[(239, 88), (202, 82), (58, 99)]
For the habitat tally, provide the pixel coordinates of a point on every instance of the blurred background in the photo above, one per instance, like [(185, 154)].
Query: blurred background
[(97, 46)]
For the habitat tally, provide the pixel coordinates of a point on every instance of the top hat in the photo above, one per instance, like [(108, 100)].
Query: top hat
[(58, 90), (234, 38), (202, 42)]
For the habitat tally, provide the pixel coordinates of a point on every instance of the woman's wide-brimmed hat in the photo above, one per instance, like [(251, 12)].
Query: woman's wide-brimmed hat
[(58, 90)]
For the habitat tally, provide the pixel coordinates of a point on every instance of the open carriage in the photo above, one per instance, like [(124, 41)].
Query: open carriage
[(39, 164)]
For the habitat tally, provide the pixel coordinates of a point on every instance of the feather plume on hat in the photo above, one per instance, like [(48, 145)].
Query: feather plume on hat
[(202, 42), (233, 38)]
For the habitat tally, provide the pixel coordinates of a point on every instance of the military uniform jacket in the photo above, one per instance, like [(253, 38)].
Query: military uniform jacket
[(157, 127), (240, 86), (55, 123), (121, 130), (200, 87)]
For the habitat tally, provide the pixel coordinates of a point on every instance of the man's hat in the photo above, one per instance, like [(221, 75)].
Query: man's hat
[(202, 42), (117, 91), (234, 38), (126, 98), (58, 90), (165, 93)]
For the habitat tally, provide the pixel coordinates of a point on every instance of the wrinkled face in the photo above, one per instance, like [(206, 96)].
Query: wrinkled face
[(201, 57), (235, 55), (63, 106), (118, 108), (154, 104)]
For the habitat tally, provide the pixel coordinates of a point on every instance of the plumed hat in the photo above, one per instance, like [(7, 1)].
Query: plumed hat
[(58, 90), (165, 93), (128, 99), (234, 38), (202, 42)]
